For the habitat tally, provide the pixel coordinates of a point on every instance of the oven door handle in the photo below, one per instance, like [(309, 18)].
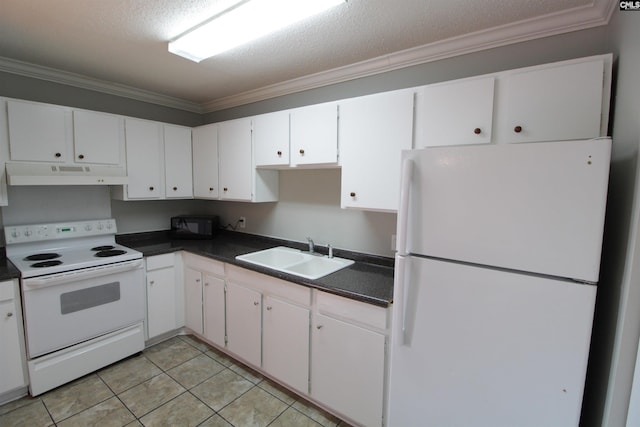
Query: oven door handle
[(87, 273)]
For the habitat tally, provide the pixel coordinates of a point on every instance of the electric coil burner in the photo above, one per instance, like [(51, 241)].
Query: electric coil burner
[(83, 298)]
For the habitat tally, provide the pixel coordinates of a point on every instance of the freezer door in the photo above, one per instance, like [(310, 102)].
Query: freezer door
[(535, 207), (481, 347)]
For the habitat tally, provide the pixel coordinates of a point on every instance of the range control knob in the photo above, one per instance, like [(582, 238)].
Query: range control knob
[(88, 227), (15, 233)]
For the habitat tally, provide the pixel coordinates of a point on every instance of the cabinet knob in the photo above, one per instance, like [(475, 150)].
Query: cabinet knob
[(151, 282), (81, 156), (197, 280), (225, 189), (269, 308), (302, 151), (256, 303), (9, 314), (210, 188), (319, 327), (352, 194), (151, 188), (58, 155), (477, 131), (279, 153), (206, 283), (517, 129), (175, 188)]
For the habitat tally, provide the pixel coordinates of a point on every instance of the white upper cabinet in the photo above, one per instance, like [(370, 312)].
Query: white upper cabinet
[(373, 131), (314, 135), (271, 139), (455, 113), (556, 102), (145, 159), (205, 162), (239, 179), (39, 132), (178, 169), (98, 138), (236, 169)]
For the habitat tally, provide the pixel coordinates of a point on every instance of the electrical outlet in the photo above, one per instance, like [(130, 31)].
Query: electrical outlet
[(242, 222)]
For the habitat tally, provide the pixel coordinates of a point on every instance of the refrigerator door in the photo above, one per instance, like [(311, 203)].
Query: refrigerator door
[(475, 346), (535, 207)]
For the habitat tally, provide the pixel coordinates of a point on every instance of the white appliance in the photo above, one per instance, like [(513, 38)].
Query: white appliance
[(498, 257), (82, 296)]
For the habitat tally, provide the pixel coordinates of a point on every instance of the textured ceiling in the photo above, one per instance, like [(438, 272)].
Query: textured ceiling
[(125, 41)]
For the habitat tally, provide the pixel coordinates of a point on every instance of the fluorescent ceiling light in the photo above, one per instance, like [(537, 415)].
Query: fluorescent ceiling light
[(248, 20)]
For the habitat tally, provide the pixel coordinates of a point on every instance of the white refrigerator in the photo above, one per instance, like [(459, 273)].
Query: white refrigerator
[(498, 256)]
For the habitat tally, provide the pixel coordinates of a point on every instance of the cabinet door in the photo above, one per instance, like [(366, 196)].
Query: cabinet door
[(557, 103), (236, 170), (193, 300), (98, 137), (455, 113), (244, 323), (285, 339), (214, 312), (271, 139), (177, 155), (11, 362), (144, 159), (39, 132), (205, 162), (314, 135), (347, 369), (161, 294), (373, 132)]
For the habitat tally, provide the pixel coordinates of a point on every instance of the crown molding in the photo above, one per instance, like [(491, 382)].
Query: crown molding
[(580, 18), (26, 69)]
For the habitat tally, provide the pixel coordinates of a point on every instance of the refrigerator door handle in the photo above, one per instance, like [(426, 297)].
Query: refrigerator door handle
[(403, 209), (405, 310)]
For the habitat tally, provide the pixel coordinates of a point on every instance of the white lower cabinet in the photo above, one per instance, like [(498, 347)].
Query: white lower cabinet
[(12, 356), (164, 295), (244, 323), (285, 342), (193, 300), (348, 358)]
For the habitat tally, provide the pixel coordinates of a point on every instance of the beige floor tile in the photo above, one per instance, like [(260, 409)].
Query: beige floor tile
[(221, 389), (256, 408), (247, 373), (194, 341), (194, 371), (32, 415), (129, 373), (110, 413), (171, 353), (185, 411), (220, 357), (278, 391), (215, 421), (23, 401), (316, 414), (149, 395), (291, 418), (75, 397)]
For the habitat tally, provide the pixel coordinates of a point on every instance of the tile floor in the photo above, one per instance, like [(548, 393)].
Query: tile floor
[(179, 382)]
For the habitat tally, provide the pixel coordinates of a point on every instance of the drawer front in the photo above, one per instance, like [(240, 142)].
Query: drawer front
[(160, 261), (349, 309)]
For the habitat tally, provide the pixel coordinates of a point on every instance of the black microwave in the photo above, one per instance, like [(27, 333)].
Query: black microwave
[(194, 226)]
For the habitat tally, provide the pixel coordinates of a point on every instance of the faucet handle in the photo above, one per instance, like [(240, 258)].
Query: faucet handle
[(330, 250)]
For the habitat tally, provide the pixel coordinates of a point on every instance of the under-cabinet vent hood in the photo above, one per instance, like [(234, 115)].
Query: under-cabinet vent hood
[(60, 174)]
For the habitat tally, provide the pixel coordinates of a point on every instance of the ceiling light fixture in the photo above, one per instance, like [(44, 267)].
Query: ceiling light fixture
[(246, 21)]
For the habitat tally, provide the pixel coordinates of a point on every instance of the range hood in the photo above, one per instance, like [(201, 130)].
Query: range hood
[(61, 174)]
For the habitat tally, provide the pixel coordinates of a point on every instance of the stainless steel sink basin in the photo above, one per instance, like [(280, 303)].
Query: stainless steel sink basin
[(296, 262)]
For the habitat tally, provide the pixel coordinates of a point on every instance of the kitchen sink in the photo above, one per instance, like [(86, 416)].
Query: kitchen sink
[(296, 262)]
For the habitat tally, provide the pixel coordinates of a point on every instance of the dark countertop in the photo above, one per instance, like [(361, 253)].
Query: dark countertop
[(369, 279), (7, 270)]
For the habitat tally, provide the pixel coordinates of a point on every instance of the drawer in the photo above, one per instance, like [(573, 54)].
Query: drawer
[(7, 290), (160, 261), (352, 310), (204, 264)]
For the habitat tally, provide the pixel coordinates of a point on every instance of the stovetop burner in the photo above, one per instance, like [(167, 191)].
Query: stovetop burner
[(42, 256), (103, 248), (44, 264), (110, 252)]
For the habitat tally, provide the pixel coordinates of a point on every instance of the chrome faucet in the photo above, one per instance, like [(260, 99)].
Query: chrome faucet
[(330, 251), (311, 246)]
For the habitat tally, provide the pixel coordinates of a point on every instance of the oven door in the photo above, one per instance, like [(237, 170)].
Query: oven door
[(67, 308)]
